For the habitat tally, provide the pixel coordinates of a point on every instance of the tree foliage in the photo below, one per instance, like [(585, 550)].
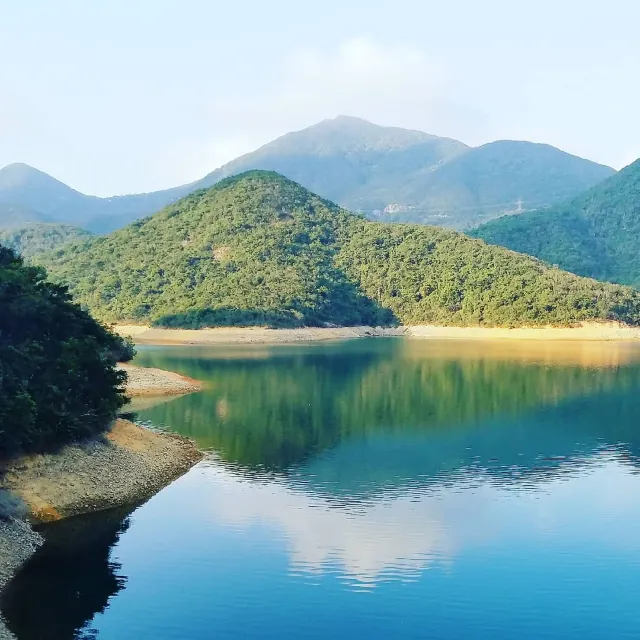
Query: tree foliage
[(260, 249), (58, 381), (595, 235)]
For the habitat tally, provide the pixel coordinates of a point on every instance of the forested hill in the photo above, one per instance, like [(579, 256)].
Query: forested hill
[(596, 235), (260, 249)]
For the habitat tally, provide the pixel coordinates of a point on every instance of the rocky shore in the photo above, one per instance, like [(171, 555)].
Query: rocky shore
[(129, 464), (17, 543), (144, 381), (125, 466)]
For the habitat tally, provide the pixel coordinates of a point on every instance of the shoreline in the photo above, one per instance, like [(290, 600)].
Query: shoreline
[(126, 465), (591, 331), (147, 381), (129, 464)]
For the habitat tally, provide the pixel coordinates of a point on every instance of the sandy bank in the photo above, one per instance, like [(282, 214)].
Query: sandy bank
[(237, 335), (587, 331), (241, 335), (143, 381)]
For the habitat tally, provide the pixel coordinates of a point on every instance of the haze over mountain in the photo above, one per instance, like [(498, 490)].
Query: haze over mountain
[(595, 235), (388, 173), (31, 239), (17, 215), (260, 249), (49, 200), (408, 176)]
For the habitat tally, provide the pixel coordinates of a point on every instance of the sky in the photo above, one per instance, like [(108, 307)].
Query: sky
[(130, 96)]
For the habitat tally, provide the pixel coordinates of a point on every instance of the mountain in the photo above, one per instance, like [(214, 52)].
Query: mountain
[(49, 200), (260, 249), (388, 173), (32, 239), (351, 161), (597, 234), (494, 179), (408, 176)]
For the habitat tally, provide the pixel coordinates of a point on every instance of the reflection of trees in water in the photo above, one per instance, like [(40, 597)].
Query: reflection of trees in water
[(519, 452), (68, 581), (281, 412)]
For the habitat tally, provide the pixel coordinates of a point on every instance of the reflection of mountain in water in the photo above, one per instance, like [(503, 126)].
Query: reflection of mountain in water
[(70, 579), (370, 414), (371, 461), (519, 451)]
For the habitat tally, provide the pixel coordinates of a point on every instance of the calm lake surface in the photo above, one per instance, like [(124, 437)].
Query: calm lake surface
[(382, 488)]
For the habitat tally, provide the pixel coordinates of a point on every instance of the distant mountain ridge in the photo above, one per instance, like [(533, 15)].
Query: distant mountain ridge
[(597, 234), (50, 200), (388, 173), (16, 215), (397, 175), (32, 239)]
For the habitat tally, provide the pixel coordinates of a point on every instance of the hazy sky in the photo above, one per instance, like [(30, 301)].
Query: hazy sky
[(136, 95)]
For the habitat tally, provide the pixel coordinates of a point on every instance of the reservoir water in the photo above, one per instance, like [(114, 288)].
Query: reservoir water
[(382, 488)]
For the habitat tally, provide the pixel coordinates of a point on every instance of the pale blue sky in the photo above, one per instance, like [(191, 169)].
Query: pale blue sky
[(136, 95)]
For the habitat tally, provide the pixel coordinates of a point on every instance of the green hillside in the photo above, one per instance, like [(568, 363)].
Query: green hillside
[(595, 235), (260, 249), (32, 239)]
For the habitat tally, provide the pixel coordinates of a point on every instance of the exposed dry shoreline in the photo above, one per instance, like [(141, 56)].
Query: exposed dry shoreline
[(144, 381), (127, 465), (18, 541), (599, 331)]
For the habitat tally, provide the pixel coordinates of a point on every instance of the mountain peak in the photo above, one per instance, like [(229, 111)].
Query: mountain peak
[(19, 175)]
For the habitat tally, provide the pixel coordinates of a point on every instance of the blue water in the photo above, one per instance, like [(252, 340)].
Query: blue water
[(373, 489)]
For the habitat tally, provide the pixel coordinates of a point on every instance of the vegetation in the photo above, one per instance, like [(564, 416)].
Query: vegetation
[(58, 382), (596, 235), (32, 239), (260, 249), (391, 174)]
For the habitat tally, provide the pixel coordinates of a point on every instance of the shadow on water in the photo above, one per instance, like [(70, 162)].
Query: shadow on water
[(70, 579)]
